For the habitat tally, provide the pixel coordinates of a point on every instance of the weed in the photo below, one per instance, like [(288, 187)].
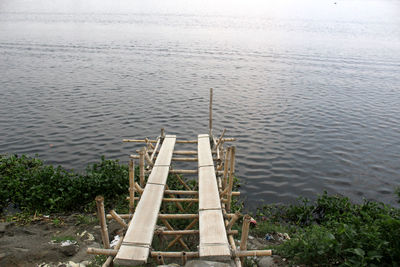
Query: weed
[(60, 239)]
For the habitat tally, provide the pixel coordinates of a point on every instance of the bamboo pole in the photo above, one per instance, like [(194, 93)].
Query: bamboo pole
[(131, 186), (253, 253), (102, 251), (184, 258), (210, 120), (171, 254), (177, 141), (231, 172), (182, 182), (166, 223), (220, 138), (245, 234), (233, 220), (153, 153), (102, 219), (183, 171), (147, 158), (189, 232), (170, 216), (109, 261), (160, 259), (226, 168), (173, 196), (117, 218), (141, 167), (138, 188)]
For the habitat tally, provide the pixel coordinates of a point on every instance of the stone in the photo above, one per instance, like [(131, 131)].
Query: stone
[(200, 263), (266, 262), (69, 250)]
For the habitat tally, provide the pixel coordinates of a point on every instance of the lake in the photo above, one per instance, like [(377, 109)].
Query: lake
[(311, 89)]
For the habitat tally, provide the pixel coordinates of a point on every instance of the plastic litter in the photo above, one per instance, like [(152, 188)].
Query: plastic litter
[(269, 237)]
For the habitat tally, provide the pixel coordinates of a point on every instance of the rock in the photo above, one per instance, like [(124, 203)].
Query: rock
[(3, 255), (200, 263), (266, 262), (69, 250), (4, 226)]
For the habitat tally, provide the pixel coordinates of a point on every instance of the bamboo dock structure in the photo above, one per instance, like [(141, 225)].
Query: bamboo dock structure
[(211, 195)]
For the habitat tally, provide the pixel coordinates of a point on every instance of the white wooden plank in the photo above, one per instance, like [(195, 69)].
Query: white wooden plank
[(165, 155), (135, 247), (213, 239), (204, 151), (208, 189), (158, 175)]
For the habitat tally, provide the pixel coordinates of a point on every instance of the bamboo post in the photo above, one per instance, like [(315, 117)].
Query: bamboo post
[(162, 135), (146, 156), (226, 168), (231, 172), (131, 186), (245, 234), (109, 261), (160, 259), (118, 219), (141, 166), (184, 258), (210, 120), (102, 219)]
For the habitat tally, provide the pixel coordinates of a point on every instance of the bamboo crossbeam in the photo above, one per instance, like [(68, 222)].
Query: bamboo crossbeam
[(183, 171), (169, 226), (102, 251), (173, 159), (233, 220), (170, 216), (118, 218), (173, 196), (231, 139), (189, 232), (190, 254), (253, 253), (179, 237)]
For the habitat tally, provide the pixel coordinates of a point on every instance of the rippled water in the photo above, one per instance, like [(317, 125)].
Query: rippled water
[(309, 88)]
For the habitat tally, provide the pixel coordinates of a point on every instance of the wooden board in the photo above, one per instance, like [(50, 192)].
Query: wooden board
[(208, 189), (135, 247), (158, 175), (165, 155), (213, 239), (204, 151)]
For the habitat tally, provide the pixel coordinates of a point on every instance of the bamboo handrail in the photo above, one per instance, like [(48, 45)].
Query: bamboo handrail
[(231, 139)]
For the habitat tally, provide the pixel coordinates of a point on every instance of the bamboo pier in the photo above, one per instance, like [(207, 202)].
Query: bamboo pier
[(209, 194)]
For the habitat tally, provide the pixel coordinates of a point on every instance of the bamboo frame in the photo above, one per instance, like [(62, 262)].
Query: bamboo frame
[(245, 234), (173, 196), (153, 153), (193, 223), (102, 219), (109, 261), (141, 167), (166, 223), (170, 216), (131, 186), (235, 217), (231, 139), (231, 172), (118, 218)]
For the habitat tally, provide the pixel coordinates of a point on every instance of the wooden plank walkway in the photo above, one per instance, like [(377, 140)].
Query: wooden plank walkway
[(135, 247), (213, 239)]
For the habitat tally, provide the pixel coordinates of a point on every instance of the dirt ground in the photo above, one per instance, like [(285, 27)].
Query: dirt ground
[(44, 240)]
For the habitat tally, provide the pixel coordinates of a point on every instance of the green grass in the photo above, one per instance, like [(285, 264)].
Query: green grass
[(60, 239)]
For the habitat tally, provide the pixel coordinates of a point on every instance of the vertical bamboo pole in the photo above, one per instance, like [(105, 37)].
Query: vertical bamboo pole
[(141, 166), (210, 121), (131, 186), (226, 168), (184, 258), (102, 218), (162, 136), (245, 234), (231, 172)]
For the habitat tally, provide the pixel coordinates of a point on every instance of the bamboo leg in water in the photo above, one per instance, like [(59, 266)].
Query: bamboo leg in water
[(102, 219), (226, 168), (231, 172)]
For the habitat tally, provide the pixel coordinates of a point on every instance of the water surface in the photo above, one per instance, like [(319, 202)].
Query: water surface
[(309, 88)]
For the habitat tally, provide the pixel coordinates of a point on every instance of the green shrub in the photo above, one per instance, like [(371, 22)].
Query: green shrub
[(333, 231), (33, 186)]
